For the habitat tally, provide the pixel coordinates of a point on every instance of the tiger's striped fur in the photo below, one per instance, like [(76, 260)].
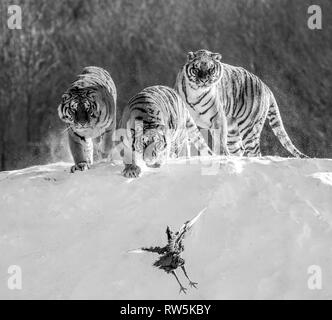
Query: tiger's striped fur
[(213, 90), (88, 107), (158, 125)]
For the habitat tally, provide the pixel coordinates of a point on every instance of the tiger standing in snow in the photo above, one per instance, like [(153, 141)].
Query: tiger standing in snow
[(158, 126), (232, 101), (88, 108)]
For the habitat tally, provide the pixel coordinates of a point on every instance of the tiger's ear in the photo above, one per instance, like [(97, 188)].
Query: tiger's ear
[(217, 56), (66, 96), (190, 56)]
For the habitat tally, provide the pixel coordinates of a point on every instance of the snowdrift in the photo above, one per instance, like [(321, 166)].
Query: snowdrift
[(267, 221)]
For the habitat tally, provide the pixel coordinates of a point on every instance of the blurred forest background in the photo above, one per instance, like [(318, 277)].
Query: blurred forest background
[(144, 42)]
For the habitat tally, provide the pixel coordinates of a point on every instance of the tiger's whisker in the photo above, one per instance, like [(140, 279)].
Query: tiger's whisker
[(65, 130)]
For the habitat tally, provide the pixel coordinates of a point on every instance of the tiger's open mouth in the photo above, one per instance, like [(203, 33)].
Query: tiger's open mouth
[(203, 84), (82, 127)]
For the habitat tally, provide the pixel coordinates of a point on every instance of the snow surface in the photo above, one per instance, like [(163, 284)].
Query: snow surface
[(267, 221)]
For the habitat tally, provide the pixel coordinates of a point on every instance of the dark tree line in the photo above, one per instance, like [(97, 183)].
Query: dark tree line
[(144, 42)]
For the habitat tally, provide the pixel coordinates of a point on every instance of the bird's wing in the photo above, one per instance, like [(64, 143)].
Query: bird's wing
[(139, 250), (187, 226), (158, 250), (179, 236)]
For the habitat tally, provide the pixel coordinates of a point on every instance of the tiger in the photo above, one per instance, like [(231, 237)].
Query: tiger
[(88, 107), (158, 126), (230, 101)]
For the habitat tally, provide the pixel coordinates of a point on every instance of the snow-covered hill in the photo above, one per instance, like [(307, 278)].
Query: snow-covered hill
[(267, 221)]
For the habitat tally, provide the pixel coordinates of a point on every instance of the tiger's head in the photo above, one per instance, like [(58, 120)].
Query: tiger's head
[(151, 142), (203, 68), (81, 108)]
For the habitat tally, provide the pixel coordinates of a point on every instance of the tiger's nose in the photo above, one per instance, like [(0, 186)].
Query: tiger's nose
[(203, 74), (204, 67)]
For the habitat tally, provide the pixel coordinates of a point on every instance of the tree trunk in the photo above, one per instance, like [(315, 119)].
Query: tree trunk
[(3, 161), (3, 151), (28, 115)]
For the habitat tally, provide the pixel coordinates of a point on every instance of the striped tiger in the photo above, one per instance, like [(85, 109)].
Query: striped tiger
[(231, 100), (88, 107), (158, 126)]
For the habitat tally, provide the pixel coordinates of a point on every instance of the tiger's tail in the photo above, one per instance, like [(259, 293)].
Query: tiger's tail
[(278, 128)]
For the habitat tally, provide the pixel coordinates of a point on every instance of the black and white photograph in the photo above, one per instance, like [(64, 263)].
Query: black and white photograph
[(165, 150)]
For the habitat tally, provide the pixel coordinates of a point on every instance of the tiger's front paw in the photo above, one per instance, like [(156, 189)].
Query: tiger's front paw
[(225, 152), (131, 171), (81, 166)]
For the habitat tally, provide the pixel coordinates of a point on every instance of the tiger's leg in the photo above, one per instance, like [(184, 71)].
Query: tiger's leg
[(97, 155), (252, 147), (187, 146), (195, 137), (81, 150), (234, 141), (219, 132), (183, 148), (251, 140), (175, 151), (107, 143), (131, 169)]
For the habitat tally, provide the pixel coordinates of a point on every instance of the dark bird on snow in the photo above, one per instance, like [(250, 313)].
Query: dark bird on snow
[(170, 258)]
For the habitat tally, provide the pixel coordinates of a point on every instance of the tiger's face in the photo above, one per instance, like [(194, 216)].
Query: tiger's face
[(203, 68), (153, 146), (79, 109)]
